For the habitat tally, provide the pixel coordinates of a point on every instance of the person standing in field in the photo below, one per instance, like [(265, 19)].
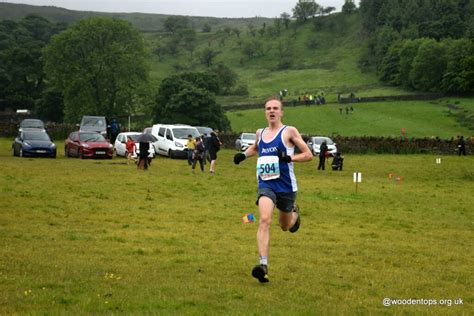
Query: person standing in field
[(190, 148), (277, 186), (198, 154), (214, 147), (131, 148), (462, 146), (322, 155), (143, 161)]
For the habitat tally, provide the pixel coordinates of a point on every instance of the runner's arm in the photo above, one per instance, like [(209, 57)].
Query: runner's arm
[(253, 149), (297, 140)]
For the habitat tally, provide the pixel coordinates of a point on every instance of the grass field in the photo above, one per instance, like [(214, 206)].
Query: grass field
[(419, 118), (91, 236)]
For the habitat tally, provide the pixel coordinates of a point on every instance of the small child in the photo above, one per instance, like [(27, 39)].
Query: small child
[(131, 147)]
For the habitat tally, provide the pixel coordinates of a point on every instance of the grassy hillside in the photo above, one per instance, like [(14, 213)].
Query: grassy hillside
[(321, 55), (142, 21), (419, 118), (322, 58)]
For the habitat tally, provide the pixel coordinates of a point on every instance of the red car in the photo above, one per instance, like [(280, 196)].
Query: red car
[(87, 144)]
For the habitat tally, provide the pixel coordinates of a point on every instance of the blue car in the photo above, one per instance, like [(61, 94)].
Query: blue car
[(33, 143)]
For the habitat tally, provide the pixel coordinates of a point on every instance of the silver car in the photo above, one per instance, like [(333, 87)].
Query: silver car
[(314, 143), (244, 141)]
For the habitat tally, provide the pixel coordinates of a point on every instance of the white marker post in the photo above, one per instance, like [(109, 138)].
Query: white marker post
[(357, 178)]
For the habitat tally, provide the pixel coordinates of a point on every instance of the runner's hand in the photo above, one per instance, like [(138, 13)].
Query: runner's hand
[(283, 156), (238, 158)]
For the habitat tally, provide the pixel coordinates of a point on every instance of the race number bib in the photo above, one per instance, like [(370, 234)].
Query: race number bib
[(268, 167)]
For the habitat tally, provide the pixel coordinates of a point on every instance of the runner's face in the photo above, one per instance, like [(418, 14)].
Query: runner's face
[(273, 111)]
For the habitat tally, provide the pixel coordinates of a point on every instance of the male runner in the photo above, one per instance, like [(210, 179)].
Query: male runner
[(275, 146)]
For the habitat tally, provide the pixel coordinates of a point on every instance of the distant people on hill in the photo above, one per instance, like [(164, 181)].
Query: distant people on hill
[(347, 110), (340, 110)]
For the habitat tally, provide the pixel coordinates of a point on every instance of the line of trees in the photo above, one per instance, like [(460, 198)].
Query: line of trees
[(23, 82), (423, 45), (97, 66)]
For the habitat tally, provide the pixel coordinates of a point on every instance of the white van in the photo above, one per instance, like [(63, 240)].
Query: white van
[(172, 139)]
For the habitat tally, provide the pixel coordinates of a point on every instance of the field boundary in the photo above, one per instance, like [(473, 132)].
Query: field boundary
[(341, 99)]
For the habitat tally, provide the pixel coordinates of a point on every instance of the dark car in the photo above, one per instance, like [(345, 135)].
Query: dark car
[(32, 123), (204, 130), (87, 144), (94, 124), (33, 143)]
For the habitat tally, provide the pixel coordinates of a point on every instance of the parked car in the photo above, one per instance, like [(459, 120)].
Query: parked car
[(204, 130), (96, 124), (315, 142), (120, 142), (32, 123), (32, 142), (244, 141), (172, 139), (87, 144), (147, 130)]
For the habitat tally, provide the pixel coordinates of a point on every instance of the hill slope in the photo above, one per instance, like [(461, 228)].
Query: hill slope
[(142, 21), (419, 118)]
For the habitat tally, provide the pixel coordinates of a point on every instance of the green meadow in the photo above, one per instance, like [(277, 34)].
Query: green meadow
[(419, 118), (99, 236)]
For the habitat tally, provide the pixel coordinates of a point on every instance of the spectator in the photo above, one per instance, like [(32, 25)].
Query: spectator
[(198, 154), (462, 146), (131, 148), (214, 147), (143, 156), (205, 141), (114, 130), (322, 155), (190, 149)]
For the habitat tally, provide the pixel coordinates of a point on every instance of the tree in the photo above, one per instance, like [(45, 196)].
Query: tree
[(189, 98), (348, 6), (174, 23), (408, 51), (286, 18), (252, 48), (97, 64), (22, 79), (226, 76), (389, 68), (327, 10), (277, 23), (428, 66), (207, 56), (305, 9), (206, 28), (51, 106), (385, 37), (459, 74)]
